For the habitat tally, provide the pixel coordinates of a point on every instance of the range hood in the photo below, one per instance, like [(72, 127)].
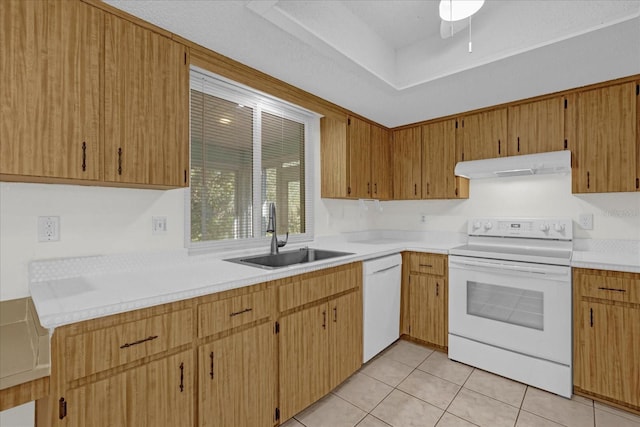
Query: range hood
[(529, 164)]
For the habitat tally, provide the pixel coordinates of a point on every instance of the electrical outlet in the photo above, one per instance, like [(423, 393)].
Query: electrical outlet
[(159, 225), (586, 221), (423, 218), (48, 228)]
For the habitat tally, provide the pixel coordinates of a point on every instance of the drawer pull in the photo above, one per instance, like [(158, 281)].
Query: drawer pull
[(84, 156), (612, 289), (426, 265), (324, 319), (235, 313), (181, 377), (335, 314), (149, 338), (62, 408), (437, 289), (120, 161), (211, 357)]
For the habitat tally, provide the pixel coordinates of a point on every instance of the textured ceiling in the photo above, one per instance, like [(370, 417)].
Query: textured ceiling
[(387, 61)]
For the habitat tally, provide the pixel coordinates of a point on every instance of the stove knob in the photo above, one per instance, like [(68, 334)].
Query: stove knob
[(476, 225), (559, 228), (544, 227), (488, 226)]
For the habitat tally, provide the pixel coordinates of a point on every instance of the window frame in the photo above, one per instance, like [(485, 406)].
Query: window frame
[(259, 101)]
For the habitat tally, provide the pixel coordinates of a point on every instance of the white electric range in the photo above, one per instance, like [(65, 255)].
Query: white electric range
[(510, 300)]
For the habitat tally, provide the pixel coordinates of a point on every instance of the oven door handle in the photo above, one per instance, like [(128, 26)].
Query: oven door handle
[(501, 266)]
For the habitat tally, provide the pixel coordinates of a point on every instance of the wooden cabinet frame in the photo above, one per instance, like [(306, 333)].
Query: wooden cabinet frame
[(606, 353)]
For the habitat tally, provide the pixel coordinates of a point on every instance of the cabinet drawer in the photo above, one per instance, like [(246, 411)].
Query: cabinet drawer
[(228, 313), (106, 348), (315, 286), (428, 263), (624, 289)]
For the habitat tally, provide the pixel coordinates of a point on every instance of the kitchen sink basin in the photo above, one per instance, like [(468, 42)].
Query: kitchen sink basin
[(287, 258)]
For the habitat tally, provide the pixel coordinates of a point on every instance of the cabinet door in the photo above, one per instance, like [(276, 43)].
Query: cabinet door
[(606, 140), (49, 89), (407, 169), (381, 164), (482, 135), (237, 377), (304, 367), (638, 135), (159, 393), (607, 355), (146, 106), (359, 137), (536, 127), (438, 162), (427, 306), (345, 348), (334, 158)]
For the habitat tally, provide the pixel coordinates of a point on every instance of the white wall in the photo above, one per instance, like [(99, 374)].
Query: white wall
[(93, 220), (98, 220), (616, 215)]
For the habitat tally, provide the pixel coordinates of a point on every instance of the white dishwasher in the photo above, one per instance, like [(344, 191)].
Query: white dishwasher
[(381, 298)]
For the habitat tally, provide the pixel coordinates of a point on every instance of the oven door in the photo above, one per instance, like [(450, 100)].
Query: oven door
[(518, 306)]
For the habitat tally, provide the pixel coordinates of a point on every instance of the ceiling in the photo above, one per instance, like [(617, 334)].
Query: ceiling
[(387, 60)]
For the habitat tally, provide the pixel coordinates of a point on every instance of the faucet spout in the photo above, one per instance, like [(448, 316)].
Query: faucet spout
[(271, 228)]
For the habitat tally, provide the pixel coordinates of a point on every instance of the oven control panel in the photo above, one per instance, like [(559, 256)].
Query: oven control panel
[(531, 228)]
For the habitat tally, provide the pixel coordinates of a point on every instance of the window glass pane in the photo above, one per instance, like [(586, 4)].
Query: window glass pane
[(221, 168), (283, 172), (247, 150)]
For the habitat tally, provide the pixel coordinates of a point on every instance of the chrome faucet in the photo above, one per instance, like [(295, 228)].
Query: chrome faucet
[(271, 228)]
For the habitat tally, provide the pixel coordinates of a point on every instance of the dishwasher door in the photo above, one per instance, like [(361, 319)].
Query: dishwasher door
[(381, 299)]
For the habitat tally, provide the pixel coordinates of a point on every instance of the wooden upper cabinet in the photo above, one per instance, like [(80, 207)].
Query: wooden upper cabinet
[(49, 89), (482, 135), (638, 135), (381, 164), (606, 139), (355, 159), (536, 127), (439, 161), (359, 143), (334, 158), (407, 168), (146, 83)]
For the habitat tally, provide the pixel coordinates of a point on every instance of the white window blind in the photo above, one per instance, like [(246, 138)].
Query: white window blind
[(247, 150)]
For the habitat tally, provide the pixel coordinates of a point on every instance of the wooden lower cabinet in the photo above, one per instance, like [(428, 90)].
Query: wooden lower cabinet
[(425, 298), (606, 331), (345, 337), (304, 367), (237, 379), (218, 360), (321, 345), (160, 393)]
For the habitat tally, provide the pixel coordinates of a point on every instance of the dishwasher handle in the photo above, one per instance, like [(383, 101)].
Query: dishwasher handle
[(385, 269)]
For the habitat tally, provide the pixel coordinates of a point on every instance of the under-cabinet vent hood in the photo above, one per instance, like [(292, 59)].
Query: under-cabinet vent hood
[(529, 164)]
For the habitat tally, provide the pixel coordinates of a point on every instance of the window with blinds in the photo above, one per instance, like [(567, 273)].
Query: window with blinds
[(247, 150)]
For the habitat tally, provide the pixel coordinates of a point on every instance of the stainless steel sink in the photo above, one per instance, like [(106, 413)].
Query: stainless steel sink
[(287, 258)]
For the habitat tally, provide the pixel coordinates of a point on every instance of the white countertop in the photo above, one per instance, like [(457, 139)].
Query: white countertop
[(74, 289), (70, 290)]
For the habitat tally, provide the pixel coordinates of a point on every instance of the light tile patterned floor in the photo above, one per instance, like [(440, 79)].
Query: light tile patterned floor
[(409, 385)]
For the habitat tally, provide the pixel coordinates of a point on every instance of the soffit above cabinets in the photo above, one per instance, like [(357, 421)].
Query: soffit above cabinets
[(387, 61)]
